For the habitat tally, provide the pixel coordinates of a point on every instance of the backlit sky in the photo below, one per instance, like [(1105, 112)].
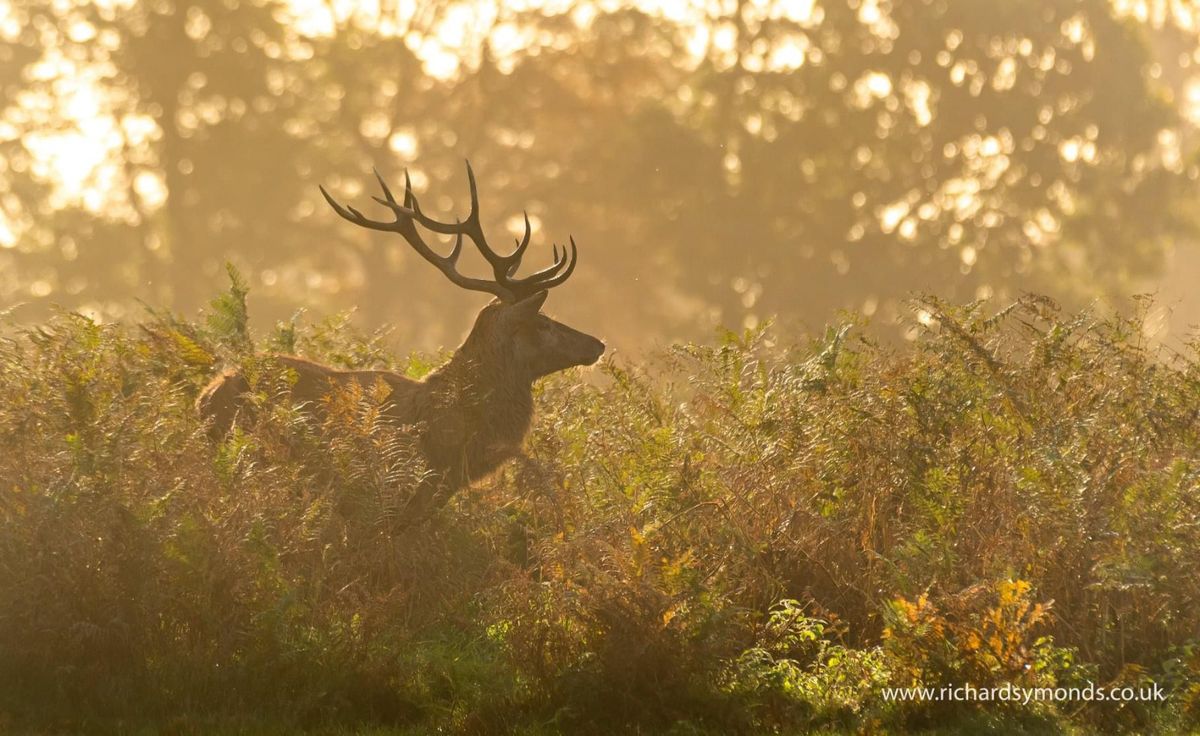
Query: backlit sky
[(83, 159)]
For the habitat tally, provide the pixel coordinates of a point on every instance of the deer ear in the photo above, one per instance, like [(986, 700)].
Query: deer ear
[(530, 305)]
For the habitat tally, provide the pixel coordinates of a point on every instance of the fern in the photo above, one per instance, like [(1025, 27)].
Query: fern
[(228, 319)]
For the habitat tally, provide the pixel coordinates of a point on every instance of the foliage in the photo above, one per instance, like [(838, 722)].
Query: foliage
[(738, 537)]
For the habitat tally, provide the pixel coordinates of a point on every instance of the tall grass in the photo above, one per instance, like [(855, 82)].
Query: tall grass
[(746, 536)]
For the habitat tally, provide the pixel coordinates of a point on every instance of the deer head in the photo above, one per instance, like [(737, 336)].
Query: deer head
[(528, 343), (510, 334)]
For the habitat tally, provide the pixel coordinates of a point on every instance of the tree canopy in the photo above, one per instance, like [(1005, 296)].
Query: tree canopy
[(718, 162)]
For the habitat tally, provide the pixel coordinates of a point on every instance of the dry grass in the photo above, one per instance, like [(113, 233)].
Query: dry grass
[(739, 537)]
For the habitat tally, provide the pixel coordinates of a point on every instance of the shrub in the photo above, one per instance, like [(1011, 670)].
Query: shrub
[(739, 537)]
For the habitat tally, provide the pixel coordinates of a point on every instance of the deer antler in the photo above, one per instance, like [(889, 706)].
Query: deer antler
[(505, 286)]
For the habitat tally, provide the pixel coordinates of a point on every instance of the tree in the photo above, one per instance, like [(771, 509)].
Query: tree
[(722, 165)]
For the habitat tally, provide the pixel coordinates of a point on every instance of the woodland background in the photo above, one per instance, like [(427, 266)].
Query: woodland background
[(720, 163)]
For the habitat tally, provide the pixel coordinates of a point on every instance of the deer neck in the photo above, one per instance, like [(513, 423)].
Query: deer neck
[(493, 393)]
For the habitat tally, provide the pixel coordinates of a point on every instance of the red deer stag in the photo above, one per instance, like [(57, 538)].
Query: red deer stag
[(471, 414)]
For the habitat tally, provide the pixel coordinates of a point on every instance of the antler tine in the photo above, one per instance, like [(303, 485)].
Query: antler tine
[(383, 184), (520, 251), (404, 226), (502, 266), (353, 215), (456, 251), (563, 275), (412, 208), (570, 269), (408, 215), (551, 276), (409, 197), (515, 257), (473, 216)]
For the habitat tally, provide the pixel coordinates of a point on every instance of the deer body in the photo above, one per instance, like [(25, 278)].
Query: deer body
[(472, 414)]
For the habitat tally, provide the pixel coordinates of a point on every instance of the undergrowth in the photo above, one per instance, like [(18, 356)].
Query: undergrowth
[(742, 537)]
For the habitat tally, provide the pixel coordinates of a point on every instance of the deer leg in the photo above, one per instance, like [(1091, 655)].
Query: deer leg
[(221, 400), (430, 494)]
